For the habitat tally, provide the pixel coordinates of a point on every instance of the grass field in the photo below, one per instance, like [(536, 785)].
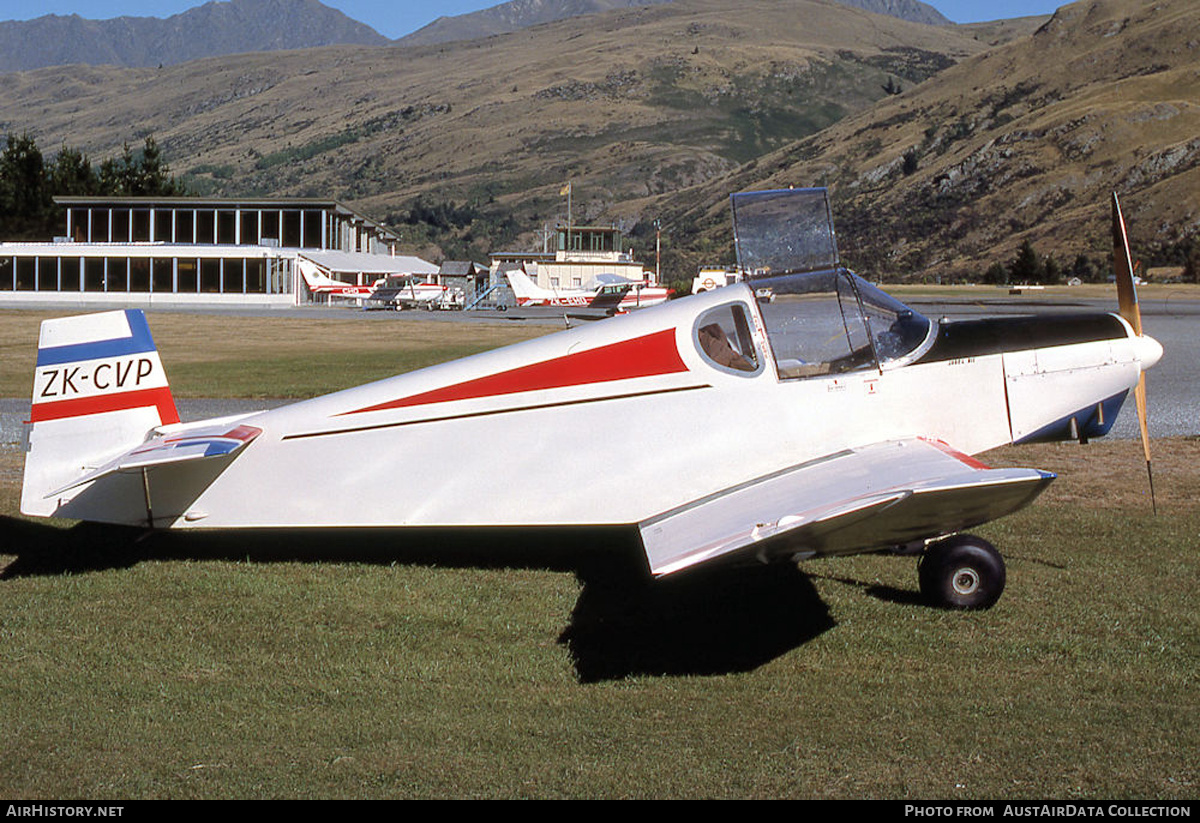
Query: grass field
[(170, 668), (230, 355)]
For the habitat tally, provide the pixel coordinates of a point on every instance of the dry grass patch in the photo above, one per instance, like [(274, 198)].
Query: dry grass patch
[(236, 355)]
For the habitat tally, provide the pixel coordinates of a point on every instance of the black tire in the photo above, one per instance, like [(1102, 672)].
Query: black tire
[(962, 572)]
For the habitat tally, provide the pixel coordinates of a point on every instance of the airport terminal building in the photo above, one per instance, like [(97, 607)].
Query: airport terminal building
[(581, 254), (187, 250)]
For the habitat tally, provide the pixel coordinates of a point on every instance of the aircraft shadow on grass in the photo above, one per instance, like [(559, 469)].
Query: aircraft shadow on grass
[(708, 622)]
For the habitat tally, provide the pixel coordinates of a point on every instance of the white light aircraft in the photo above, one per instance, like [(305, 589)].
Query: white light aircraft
[(611, 294), (408, 291), (401, 290), (832, 420)]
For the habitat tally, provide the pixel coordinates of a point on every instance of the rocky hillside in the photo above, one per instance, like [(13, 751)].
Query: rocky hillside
[(216, 28), (1023, 142), (944, 151), (630, 105)]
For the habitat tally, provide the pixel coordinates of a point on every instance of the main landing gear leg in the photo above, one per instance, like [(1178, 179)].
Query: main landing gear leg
[(961, 572)]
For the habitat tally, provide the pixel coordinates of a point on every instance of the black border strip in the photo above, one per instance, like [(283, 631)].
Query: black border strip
[(996, 335), (493, 412)]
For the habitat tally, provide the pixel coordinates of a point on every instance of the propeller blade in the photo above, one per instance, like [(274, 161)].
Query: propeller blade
[(1127, 301), (1140, 397), (1127, 304)]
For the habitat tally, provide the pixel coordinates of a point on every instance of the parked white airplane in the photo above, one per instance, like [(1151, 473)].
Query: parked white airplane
[(829, 420), (407, 291), (612, 293)]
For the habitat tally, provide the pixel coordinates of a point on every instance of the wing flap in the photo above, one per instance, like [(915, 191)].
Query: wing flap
[(855, 500)]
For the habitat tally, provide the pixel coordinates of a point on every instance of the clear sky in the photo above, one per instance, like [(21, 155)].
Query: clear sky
[(394, 18)]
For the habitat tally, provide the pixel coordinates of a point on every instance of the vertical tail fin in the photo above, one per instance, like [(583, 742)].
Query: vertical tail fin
[(525, 290), (99, 388)]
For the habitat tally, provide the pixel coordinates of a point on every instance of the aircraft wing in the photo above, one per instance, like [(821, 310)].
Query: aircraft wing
[(609, 297), (218, 440), (882, 495)]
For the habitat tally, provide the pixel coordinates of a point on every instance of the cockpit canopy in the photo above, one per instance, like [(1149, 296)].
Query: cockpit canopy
[(820, 317)]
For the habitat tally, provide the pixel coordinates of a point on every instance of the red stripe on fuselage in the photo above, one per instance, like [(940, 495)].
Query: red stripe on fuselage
[(647, 356), (100, 403)]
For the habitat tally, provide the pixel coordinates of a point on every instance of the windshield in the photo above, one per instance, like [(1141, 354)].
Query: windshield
[(897, 331), (783, 231), (820, 318)]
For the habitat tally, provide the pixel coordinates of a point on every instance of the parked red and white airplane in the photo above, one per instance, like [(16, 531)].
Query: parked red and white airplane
[(611, 293), (319, 283), (830, 420), (400, 290)]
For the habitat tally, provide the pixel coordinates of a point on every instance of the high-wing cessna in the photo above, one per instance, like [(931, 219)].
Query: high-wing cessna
[(824, 418), (407, 291), (611, 293)]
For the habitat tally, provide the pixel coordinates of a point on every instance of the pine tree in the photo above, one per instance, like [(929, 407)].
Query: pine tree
[(1051, 271), (25, 202), (996, 275), (73, 174), (1026, 267), (154, 175), (1191, 264), (28, 183)]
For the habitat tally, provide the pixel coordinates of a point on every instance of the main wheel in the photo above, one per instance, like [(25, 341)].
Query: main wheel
[(962, 572)]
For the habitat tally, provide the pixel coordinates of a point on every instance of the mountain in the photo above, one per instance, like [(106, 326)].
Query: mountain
[(216, 28), (1023, 142), (943, 153), (242, 26), (630, 105), (509, 17), (519, 14), (910, 10)]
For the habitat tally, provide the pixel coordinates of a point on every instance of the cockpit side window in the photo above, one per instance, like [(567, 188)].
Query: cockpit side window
[(723, 337)]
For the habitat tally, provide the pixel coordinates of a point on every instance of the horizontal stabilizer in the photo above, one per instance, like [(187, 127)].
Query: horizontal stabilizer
[(196, 444), (887, 494)]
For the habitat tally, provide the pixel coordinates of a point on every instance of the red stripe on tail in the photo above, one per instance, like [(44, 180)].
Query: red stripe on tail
[(98, 404)]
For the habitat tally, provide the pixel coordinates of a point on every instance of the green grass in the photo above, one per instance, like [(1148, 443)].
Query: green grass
[(292, 668), (175, 670)]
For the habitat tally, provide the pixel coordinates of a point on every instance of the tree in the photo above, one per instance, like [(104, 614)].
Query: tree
[(139, 174), (73, 174), (25, 201), (1051, 271), (1026, 267), (1191, 264), (28, 184), (154, 175), (1085, 269)]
